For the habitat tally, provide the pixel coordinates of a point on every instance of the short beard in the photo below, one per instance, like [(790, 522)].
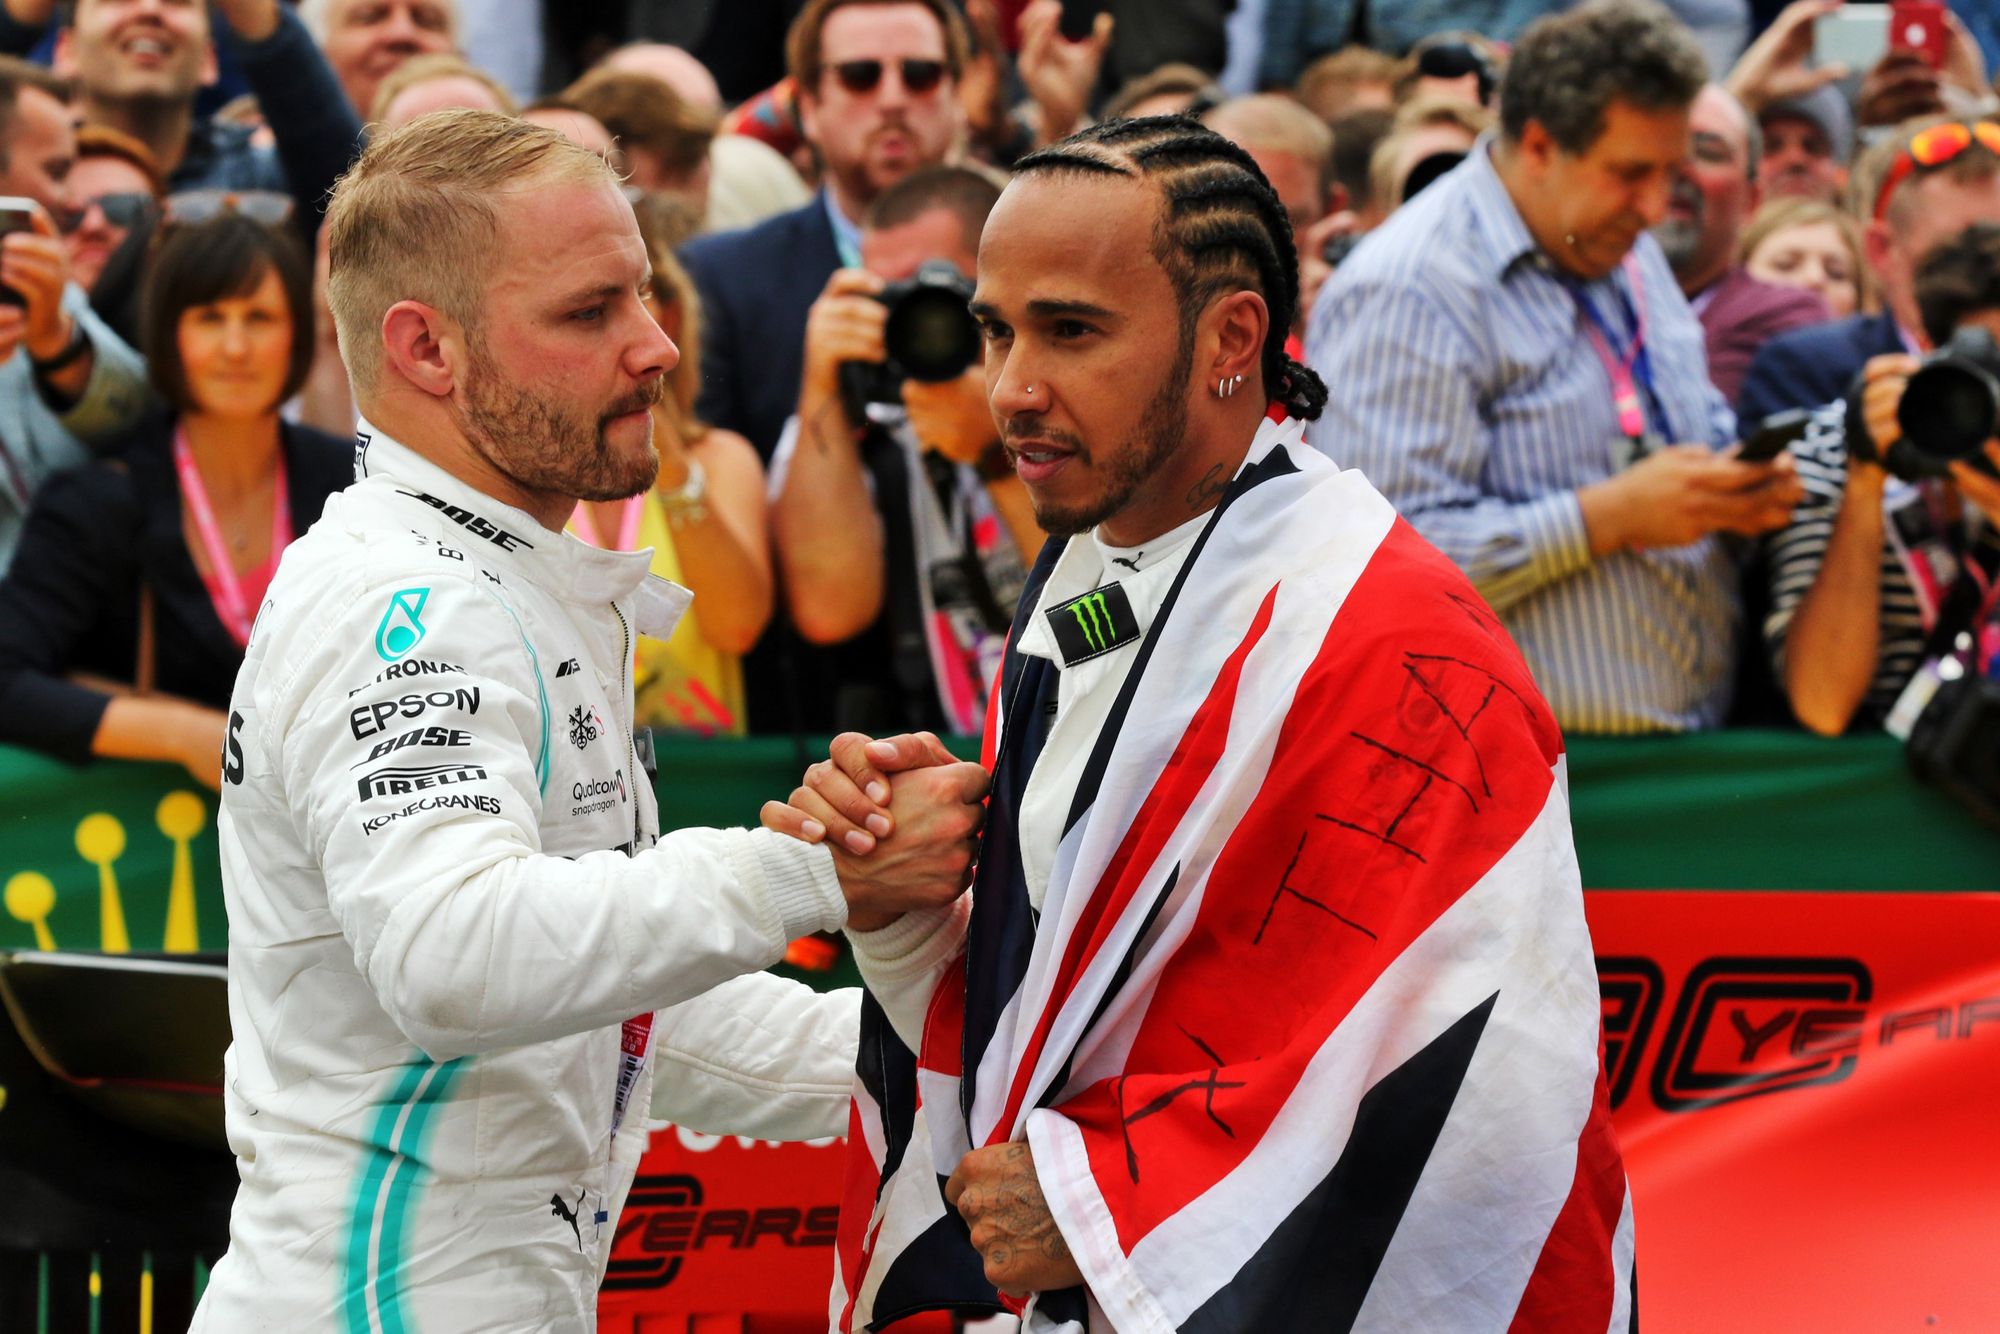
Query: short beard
[(546, 449), (1161, 428)]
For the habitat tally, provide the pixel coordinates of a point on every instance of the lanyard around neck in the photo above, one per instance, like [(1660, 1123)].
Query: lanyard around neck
[(224, 589), (1630, 372)]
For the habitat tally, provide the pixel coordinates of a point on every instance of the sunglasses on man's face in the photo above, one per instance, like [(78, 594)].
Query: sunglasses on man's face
[(197, 206), (124, 209), (864, 76)]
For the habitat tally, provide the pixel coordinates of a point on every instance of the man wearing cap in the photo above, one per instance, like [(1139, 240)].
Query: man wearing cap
[(1807, 143)]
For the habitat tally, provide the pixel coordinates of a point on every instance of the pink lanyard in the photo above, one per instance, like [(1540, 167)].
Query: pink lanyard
[(231, 607), (1624, 386), (628, 524)]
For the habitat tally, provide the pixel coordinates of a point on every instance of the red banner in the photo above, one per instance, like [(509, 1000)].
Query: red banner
[(1806, 1087)]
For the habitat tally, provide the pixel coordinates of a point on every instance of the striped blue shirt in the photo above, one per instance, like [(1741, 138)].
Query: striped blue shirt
[(1463, 383)]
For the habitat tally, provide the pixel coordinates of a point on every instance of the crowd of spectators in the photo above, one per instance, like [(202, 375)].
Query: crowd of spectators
[(1555, 264)]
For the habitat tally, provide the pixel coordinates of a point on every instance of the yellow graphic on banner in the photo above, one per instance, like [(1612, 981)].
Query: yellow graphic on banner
[(181, 816)]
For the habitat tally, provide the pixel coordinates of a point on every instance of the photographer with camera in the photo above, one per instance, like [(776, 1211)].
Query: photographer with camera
[(1901, 518), (899, 528)]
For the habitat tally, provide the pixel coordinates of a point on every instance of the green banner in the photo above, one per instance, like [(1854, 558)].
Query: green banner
[(122, 857)]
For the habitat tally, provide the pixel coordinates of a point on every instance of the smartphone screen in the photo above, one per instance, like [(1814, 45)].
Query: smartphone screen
[(16, 215), (1854, 35)]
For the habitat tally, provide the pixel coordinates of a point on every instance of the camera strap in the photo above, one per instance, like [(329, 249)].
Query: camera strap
[(1920, 533)]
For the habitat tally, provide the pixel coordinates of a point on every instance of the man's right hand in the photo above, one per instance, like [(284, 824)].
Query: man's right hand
[(1682, 493), (845, 324), (1883, 381), (867, 790)]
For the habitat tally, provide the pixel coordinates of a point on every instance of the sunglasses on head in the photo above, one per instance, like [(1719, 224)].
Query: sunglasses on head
[(1933, 148), (863, 76), (192, 207), (123, 209)]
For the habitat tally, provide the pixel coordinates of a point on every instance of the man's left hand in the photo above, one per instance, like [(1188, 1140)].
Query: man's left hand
[(997, 1193), (952, 417), (36, 267)]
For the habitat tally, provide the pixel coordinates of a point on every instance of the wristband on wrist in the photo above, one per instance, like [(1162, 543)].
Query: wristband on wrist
[(687, 503), (73, 351)]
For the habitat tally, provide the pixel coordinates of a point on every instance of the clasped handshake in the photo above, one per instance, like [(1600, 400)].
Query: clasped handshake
[(901, 816)]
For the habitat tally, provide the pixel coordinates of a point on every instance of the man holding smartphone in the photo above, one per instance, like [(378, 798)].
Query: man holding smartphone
[(66, 381)]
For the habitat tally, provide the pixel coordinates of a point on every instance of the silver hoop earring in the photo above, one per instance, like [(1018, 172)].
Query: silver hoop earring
[(1227, 386)]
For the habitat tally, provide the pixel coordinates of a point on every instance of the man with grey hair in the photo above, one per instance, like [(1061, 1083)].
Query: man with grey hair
[(458, 943), (1510, 360), (1714, 195), (367, 42)]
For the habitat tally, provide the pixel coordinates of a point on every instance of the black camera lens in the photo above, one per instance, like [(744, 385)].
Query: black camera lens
[(931, 335), (1949, 410)]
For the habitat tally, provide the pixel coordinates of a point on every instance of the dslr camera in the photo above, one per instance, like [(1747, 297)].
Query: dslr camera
[(931, 336), (1949, 410)]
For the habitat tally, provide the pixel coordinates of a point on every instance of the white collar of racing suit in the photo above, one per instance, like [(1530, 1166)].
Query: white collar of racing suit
[(573, 570)]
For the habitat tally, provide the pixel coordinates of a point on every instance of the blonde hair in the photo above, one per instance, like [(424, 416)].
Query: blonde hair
[(414, 220), (1416, 115), (1782, 215), (1276, 123), (665, 222), (438, 65)]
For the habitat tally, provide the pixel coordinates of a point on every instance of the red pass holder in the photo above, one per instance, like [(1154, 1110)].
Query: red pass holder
[(635, 1044)]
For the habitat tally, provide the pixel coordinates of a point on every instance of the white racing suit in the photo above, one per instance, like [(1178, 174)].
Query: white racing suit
[(451, 923)]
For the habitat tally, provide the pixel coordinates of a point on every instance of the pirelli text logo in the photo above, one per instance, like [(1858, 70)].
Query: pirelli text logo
[(401, 782)]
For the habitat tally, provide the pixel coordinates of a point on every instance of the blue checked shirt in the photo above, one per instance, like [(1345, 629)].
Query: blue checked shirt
[(1463, 384)]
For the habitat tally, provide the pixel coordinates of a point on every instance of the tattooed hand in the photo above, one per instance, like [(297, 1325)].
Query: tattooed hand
[(997, 1193)]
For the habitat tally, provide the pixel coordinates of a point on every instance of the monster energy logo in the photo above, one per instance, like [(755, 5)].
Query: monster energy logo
[(1094, 619), (1098, 622)]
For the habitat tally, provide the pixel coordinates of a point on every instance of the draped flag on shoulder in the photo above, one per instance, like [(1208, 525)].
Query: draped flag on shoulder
[(1306, 1036)]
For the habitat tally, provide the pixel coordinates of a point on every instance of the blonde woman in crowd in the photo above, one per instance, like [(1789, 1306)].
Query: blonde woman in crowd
[(1809, 244), (704, 520)]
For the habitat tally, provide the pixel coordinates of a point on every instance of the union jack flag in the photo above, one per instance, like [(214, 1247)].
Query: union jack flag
[(1306, 1033)]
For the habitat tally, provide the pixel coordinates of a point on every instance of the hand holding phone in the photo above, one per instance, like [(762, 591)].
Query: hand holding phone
[(1774, 435), (16, 215)]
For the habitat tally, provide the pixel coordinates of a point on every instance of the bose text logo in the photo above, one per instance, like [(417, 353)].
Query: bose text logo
[(420, 736), (402, 782), (472, 523)]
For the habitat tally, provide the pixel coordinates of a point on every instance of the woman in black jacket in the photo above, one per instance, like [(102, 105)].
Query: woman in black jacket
[(124, 615)]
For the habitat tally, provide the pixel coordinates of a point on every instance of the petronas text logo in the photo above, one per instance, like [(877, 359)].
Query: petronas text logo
[(1094, 619)]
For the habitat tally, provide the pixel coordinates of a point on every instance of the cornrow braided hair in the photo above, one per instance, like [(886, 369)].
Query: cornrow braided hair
[(1222, 229)]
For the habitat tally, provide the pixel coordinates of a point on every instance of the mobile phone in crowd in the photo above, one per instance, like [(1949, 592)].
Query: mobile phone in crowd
[(16, 215), (1774, 435), (1856, 36), (1919, 25)]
